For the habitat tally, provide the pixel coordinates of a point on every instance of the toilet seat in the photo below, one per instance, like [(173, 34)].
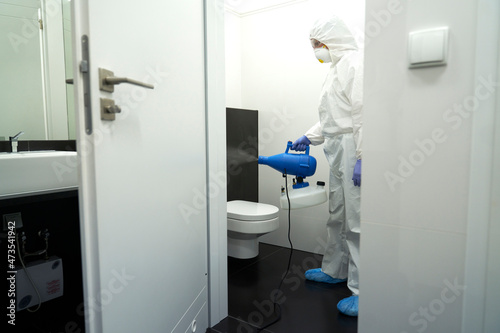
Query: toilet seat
[(251, 211)]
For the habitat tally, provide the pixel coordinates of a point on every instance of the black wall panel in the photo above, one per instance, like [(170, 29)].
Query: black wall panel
[(242, 153)]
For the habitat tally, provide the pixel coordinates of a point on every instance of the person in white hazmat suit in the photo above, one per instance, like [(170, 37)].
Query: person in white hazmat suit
[(340, 130)]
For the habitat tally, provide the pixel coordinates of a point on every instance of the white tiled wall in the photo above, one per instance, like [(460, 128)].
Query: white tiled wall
[(415, 170)]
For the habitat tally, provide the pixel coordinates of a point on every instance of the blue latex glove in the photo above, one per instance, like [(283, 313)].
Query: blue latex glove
[(316, 274), (356, 175), (301, 143)]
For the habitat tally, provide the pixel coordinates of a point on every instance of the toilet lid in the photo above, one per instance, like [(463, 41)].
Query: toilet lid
[(251, 211)]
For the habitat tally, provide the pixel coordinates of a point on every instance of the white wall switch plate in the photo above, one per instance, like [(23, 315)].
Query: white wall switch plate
[(428, 47)]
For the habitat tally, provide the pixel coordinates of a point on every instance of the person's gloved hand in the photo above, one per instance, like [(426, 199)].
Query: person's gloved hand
[(356, 175), (301, 143)]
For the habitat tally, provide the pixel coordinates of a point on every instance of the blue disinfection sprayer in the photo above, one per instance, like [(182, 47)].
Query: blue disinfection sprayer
[(299, 165)]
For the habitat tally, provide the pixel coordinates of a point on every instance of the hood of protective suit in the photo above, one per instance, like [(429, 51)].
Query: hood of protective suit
[(335, 34)]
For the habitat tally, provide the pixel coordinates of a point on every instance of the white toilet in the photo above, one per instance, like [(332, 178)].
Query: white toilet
[(246, 222)]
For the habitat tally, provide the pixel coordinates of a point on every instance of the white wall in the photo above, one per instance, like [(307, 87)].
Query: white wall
[(270, 67), (416, 165), (232, 31)]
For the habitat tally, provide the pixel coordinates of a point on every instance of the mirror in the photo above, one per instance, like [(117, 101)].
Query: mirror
[(36, 61)]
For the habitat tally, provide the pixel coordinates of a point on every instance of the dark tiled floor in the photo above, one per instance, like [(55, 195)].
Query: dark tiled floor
[(306, 306)]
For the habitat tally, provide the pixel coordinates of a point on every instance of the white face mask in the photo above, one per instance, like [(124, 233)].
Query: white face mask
[(322, 54)]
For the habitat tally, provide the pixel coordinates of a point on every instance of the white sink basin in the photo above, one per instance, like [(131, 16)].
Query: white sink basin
[(37, 172)]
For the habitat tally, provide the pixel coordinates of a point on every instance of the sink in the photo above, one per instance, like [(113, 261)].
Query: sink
[(37, 172)]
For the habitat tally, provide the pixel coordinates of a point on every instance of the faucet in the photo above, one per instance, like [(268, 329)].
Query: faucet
[(13, 141)]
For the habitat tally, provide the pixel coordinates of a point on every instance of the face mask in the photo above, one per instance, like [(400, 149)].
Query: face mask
[(322, 54)]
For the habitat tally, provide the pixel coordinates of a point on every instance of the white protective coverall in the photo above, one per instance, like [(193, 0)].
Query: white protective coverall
[(340, 129)]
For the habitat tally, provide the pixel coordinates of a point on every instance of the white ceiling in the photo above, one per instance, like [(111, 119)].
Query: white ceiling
[(244, 7)]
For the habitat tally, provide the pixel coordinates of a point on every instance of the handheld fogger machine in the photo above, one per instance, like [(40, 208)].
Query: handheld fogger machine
[(301, 166)]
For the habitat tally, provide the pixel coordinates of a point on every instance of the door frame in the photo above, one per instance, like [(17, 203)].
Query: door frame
[(216, 160), (482, 174)]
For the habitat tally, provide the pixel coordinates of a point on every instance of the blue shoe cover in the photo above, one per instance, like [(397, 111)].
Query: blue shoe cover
[(349, 306), (318, 276)]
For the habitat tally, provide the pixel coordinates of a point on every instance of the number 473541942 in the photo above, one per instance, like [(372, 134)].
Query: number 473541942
[(11, 247)]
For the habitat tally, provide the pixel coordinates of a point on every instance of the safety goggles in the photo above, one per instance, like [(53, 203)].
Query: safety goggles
[(316, 43)]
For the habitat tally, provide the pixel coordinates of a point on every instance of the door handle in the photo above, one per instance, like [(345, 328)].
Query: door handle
[(107, 81)]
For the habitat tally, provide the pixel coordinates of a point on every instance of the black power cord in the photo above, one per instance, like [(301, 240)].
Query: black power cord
[(277, 307)]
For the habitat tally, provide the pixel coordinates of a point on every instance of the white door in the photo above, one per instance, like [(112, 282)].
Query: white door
[(144, 257)]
